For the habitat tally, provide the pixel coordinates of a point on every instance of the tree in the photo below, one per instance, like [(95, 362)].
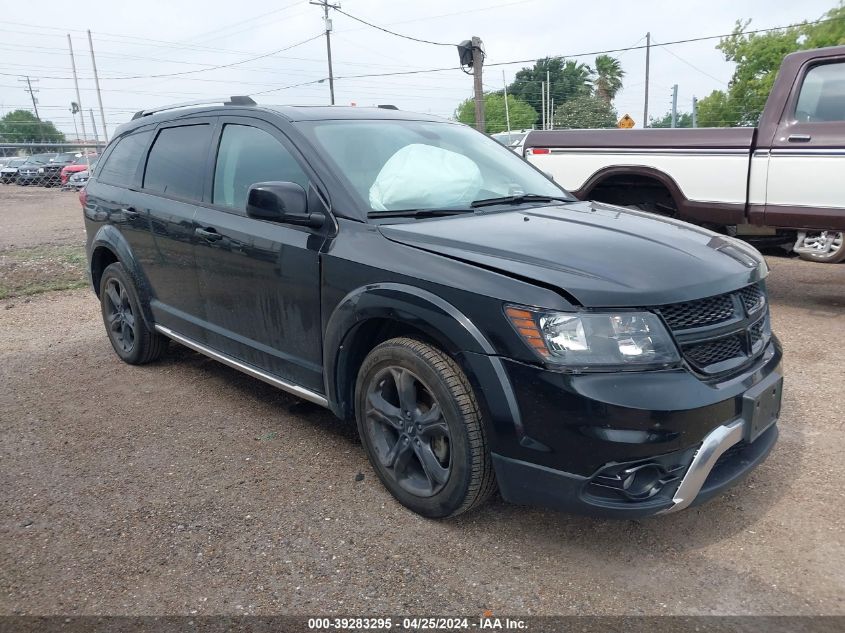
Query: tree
[(716, 110), (684, 120), (21, 126), (521, 114), (568, 79), (586, 111), (609, 76), (757, 57)]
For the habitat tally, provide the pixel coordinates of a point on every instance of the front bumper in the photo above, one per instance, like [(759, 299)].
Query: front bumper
[(632, 444), (716, 466)]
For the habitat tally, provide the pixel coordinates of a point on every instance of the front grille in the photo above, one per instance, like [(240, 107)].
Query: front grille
[(752, 298), (715, 351), (680, 316), (720, 334), (756, 331)]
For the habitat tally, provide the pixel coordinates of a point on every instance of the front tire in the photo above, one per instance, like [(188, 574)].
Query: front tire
[(128, 333), (421, 427)]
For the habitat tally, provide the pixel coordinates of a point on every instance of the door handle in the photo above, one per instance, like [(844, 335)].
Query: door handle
[(209, 234), (799, 138)]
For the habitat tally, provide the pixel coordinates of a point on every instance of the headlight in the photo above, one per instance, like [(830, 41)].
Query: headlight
[(593, 339)]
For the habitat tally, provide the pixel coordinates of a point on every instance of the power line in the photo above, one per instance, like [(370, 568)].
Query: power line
[(593, 53), (381, 28), (185, 72), (202, 70), (691, 65), (205, 36)]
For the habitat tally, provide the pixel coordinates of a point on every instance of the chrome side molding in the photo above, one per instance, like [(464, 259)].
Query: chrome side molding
[(302, 392), (717, 442)]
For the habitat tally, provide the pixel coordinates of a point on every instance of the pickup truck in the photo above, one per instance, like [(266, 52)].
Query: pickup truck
[(780, 183)]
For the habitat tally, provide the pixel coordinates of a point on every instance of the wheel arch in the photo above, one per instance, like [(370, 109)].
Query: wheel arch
[(373, 314), (648, 176), (109, 246)]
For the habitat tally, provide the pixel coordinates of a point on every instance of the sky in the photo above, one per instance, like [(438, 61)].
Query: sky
[(135, 42)]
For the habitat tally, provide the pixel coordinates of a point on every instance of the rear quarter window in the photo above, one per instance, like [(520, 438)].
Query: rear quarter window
[(121, 165)]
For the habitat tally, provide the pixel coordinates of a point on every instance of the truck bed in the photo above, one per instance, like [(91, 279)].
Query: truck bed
[(654, 138)]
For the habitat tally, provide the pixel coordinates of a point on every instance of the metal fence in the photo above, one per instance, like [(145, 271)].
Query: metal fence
[(45, 164)]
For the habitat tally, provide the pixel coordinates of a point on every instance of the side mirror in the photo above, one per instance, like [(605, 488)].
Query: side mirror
[(281, 202)]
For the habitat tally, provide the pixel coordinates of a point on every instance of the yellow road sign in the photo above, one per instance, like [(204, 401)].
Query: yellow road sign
[(626, 122)]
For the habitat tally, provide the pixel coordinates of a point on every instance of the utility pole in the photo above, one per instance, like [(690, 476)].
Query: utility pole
[(94, 126), (675, 105), (477, 63), (32, 92), (325, 4), (647, 60), (99, 95), (549, 100), (695, 111), (507, 112), (76, 83), (543, 103)]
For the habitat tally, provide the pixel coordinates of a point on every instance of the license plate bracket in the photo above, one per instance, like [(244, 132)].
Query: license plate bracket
[(761, 406)]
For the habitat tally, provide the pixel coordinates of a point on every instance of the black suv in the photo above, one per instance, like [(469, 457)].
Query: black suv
[(483, 327)]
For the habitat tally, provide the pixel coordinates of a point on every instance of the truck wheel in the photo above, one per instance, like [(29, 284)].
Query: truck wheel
[(421, 426), (828, 247), (129, 335)]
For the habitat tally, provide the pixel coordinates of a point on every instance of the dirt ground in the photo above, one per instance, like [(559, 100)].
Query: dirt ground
[(185, 487)]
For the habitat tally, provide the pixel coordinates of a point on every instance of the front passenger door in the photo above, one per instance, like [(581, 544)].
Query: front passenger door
[(260, 280)]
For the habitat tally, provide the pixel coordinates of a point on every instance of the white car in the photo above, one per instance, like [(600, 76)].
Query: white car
[(9, 171)]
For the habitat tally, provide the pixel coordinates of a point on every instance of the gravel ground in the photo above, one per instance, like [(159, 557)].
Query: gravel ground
[(185, 487), (57, 213)]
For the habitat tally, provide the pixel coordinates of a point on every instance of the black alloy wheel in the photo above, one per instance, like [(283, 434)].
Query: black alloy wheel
[(407, 430), (133, 341), (422, 429), (119, 316)]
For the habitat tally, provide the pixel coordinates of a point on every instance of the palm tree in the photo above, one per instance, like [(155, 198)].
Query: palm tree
[(609, 76)]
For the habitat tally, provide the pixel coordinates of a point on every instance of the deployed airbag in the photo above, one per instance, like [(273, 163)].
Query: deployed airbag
[(422, 176)]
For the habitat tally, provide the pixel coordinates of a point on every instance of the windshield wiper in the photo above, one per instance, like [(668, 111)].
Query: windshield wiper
[(518, 199), (417, 213)]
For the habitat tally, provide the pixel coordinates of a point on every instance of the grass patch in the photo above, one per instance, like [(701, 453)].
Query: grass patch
[(30, 271)]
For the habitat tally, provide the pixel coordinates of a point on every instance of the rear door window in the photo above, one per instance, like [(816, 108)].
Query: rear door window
[(176, 164), (122, 163)]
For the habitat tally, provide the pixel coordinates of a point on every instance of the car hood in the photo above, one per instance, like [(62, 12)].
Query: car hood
[(595, 254)]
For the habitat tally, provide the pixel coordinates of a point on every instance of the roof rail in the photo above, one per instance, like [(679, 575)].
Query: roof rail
[(237, 100)]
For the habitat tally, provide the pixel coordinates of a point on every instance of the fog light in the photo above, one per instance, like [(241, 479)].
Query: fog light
[(642, 482)]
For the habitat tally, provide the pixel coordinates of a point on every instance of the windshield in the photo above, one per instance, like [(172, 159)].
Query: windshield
[(16, 162), (83, 160), (39, 159), (391, 165)]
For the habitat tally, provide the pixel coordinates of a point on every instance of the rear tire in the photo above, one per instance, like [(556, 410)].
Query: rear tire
[(128, 333), (832, 254), (421, 427)]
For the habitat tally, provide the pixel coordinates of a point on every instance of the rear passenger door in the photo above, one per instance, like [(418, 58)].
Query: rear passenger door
[(260, 280), (114, 193), (171, 190)]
